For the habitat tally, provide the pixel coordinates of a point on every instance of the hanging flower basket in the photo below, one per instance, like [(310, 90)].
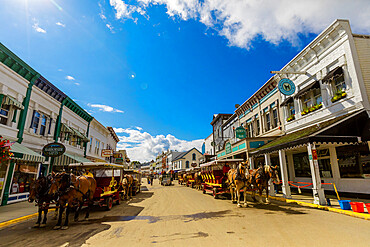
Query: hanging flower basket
[(290, 118), (5, 153)]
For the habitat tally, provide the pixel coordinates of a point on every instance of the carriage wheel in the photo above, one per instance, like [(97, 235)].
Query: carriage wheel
[(215, 193), (109, 202)]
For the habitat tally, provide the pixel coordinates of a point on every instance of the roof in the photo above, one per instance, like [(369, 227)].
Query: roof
[(185, 153), (113, 133), (215, 118), (322, 132)]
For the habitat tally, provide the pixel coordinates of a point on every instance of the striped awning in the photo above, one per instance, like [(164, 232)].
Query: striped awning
[(80, 135), (9, 100), (65, 128), (67, 159), (25, 154)]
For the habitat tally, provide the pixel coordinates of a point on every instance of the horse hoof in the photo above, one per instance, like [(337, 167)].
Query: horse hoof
[(246, 205), (56, 227), (64, 227), (234, 202), (239, 206), (42, 225), (36, 225)]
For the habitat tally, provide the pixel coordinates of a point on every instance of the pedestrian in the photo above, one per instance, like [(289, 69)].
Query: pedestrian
[(151, 180)]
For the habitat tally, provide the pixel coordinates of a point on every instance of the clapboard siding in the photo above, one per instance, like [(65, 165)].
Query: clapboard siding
[(363, 51)]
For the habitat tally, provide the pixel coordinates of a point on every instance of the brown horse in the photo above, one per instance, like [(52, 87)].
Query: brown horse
[(73, 192), (39, 192), (260, 177), (184, 179), (237, 180), (127, 183)]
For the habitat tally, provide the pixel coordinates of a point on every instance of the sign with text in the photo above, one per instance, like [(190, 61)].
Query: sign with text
[(240, 132), (106, 152), (53, 149), (286, 86), (228, 148)]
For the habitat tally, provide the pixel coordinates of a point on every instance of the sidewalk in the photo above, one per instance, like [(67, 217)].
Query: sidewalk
[(17, 210)]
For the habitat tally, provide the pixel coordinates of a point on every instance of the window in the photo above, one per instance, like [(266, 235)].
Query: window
[(274, 118), (317, 96), (268, 121), (301, 165), (290, 108), (353, 161), (257, 126), (35, 121), (90, 144), (4, 114), (339, 84), (194, 157), (43, 125), (306, 101), (50, 121), (187, 164), (250, 130)]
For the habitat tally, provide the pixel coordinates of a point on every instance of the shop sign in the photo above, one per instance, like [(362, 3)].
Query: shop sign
[(286, 86), (194, 164), (228, 148), (314, 154), (106, 153), (117, 155), (53, 149), (310, 157), (240, 132)]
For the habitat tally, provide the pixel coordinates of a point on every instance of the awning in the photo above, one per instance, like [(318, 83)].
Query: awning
[(9, 100), (307, 89), (287, 101), (337, 130), (25, 154), (66, 128), (338, 71), (67, 159), (80, 135), (96, 165), (215, 162)]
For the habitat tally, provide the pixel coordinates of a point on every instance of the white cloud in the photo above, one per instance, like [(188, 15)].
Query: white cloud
[(77, 84), (37, 28), (142, 146), (70, 78), (105, 108), (110, 27), (60, 24), (242, 21)]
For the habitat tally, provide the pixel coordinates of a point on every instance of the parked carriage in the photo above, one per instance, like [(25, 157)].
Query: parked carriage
[(136, 187), (214, 176), (108, 178)]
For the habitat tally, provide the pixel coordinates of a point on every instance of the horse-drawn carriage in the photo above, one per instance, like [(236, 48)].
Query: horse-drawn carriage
[(136, 186), (214, 176), (108, 177)]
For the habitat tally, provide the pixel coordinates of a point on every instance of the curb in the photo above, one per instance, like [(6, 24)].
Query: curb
[(20, 219), (326, 208)]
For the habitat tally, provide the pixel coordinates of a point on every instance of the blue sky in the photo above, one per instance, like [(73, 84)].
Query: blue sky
[(158, 70)]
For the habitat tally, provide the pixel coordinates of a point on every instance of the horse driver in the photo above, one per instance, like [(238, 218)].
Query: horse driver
[(88, 173)]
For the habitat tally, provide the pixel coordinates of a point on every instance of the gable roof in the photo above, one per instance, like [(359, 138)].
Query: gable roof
[(185, 153)]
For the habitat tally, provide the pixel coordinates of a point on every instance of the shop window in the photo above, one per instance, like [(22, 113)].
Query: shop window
[(43, 125), (194, 157), (354, 161), (187, 164), (274, 118), (301, 165), (24, 175), (324, 163), (4, 114)]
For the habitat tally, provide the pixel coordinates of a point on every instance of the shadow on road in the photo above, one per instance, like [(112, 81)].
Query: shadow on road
[(178, 236), (23, 234)]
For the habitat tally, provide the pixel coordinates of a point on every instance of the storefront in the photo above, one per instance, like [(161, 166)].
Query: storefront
[(18, 174)]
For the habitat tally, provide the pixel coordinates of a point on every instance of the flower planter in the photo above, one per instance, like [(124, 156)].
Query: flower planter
[(338, 96), (344, 204), (357, 207)]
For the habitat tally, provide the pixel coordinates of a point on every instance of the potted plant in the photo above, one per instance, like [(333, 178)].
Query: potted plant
[(5, 153), (290, 118)]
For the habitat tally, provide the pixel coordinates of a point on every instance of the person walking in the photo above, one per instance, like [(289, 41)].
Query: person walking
[(151, 180)]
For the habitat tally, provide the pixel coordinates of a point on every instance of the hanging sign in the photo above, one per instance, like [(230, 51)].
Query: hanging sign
[(240, 132), (53, 149), (286, 86), (314, 154), (228, 148), (106, 153)]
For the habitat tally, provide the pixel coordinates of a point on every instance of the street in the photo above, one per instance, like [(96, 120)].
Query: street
[(181, 216)]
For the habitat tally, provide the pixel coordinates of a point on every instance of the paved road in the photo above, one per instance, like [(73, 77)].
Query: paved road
[(180, 216)]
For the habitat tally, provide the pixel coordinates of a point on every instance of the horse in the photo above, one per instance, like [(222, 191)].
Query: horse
[(184, 179), (127, 183), (72, 191), (39, 192), (237, 179), (260, 177), (198, 180)]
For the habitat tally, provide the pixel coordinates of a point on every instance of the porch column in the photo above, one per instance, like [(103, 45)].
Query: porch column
[(8, 182), (284, 175), (251, 163), (318, 192), (271, 184)]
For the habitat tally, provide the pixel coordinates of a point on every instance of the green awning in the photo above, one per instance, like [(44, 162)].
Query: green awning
[(66, 128), (80, 135), (9, 100), (66, 159), (23, 153)]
